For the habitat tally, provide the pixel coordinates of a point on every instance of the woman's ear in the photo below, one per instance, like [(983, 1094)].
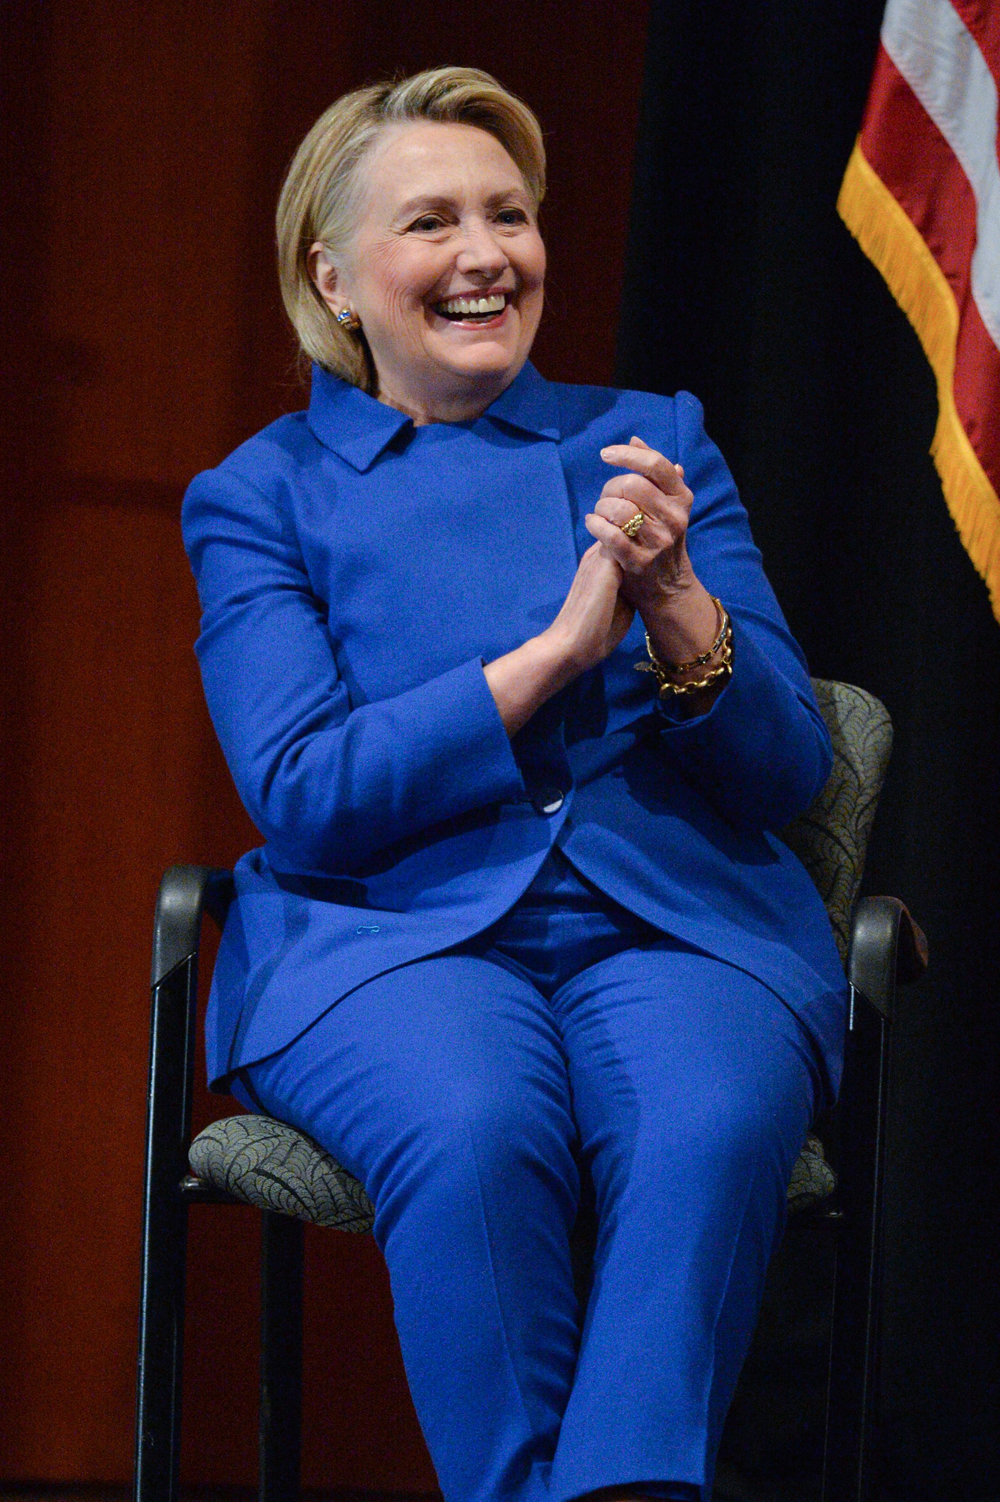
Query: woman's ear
[(325, 277)]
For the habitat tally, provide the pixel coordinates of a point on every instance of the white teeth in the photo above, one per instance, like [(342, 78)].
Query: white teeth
[(464, 306)]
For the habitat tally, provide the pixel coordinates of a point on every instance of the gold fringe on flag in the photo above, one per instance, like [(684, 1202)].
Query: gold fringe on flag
[(892, 242)]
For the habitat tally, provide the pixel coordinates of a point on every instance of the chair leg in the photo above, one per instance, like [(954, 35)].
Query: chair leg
[(161, 1351), (280, 1358), (848, 1461), (164, 1240)]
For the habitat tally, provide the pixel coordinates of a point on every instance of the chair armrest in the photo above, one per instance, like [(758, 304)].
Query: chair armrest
[(186, 893), (887, 949)]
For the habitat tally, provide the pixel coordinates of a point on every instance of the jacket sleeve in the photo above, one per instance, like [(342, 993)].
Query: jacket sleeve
[(327, 784), (762, 752)]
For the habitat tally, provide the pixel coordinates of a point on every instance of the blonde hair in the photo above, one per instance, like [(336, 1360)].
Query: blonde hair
[(321, 195)]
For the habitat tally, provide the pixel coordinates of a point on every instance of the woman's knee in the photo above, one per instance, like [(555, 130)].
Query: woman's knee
[(708, 1140)]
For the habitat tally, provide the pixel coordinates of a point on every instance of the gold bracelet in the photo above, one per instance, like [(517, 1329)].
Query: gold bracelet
[(666, 672), (692, 686)]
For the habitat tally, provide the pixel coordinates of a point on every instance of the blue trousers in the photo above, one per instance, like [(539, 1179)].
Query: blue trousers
[(471, 1093)]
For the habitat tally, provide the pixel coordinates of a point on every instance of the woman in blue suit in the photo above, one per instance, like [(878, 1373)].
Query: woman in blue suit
[(521, 928)]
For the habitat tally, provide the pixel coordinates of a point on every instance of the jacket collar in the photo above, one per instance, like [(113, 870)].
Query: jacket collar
[(349, 421), (358, 427)]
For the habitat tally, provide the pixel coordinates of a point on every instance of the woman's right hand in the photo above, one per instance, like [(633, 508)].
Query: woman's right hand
[(592, 622), (594, 617)]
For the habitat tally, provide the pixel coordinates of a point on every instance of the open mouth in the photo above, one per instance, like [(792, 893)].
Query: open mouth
[(473, 309)]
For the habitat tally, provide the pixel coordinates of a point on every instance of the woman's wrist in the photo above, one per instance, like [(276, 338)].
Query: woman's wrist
[(699, 665), (681, 623), (521, 681)]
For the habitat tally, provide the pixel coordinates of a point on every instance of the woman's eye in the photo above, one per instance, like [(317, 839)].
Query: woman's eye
[(427, 223), (512, 216)]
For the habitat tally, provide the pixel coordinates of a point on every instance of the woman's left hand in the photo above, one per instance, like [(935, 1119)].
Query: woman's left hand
[(655, 561)]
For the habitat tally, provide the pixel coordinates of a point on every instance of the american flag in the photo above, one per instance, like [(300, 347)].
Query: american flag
[(922, 196)]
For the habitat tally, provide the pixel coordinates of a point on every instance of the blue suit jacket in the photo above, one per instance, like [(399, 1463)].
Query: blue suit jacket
[(355, 573)]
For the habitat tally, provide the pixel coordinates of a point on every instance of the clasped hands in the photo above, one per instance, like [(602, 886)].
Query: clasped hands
[(649, 572)]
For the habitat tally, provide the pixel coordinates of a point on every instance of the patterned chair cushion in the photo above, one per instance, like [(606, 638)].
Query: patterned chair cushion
[(813, 1180), (268, 1164), (273, 1166)]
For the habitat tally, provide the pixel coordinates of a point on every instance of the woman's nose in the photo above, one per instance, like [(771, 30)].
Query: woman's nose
[(481, 251)]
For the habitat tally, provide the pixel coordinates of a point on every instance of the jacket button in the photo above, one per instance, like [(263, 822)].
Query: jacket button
[(547, 800)]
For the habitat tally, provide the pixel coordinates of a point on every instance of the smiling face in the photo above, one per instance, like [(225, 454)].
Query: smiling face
[(445, 270)]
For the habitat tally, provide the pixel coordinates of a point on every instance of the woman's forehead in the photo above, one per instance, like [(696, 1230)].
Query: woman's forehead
[(416, 158)]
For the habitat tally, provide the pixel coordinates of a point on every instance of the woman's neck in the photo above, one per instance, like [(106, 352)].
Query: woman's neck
[(457, 405)]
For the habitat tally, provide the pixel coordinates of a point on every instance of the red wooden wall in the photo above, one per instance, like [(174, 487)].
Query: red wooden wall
[(143, 341)]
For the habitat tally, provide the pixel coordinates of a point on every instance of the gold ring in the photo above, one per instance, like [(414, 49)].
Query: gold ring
[(634, 523)]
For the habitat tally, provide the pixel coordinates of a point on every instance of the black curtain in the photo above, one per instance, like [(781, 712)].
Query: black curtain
[(743, 286)]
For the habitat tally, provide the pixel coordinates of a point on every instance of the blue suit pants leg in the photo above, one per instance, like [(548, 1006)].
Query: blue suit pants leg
[(443, 1087), (693, 1087), (466, 1101)]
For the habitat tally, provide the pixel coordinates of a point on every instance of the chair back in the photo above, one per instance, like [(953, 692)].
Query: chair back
[(831, 837)]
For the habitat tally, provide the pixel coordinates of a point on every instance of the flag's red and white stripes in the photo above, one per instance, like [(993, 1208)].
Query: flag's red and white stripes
[(922, 195)]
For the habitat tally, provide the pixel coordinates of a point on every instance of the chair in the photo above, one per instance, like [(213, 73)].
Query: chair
[(247, 1159)]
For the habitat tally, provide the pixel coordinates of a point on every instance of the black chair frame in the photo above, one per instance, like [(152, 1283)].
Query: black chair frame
[(886, 949)]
